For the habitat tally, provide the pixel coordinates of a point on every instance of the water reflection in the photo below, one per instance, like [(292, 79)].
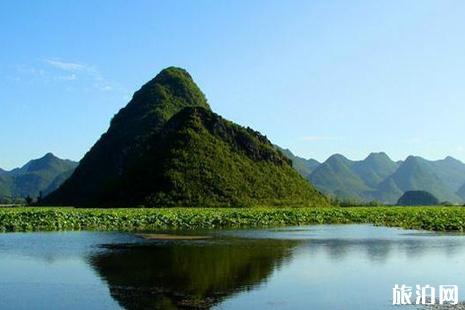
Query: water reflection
[(379, 251), (376, 243), (295, 268), (194, 274)]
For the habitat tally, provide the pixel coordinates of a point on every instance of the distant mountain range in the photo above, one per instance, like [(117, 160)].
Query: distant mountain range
[(379, 178), (39, 175), (376, 178)]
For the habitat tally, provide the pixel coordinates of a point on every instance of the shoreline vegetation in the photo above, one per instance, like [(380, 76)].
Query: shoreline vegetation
[(28, 219)]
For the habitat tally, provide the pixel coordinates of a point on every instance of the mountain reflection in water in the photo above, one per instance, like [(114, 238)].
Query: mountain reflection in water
[(187, 274), (317, 267)]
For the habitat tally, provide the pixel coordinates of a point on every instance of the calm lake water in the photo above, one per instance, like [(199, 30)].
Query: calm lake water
[(307, 267)]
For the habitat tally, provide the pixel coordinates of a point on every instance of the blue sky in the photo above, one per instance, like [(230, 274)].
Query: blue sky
[(318, 77)]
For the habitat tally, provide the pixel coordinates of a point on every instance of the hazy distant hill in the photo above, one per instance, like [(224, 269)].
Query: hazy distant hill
[(375, 168), (416, 174), (337, 177), (302, 165), (451, 172), (461, 192), (39, 175), (377, 177), (6, 185)]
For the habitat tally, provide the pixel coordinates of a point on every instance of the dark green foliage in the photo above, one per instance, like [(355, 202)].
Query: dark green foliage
[(167, 148), (37, 175), (207, 160), (129, 137), (144, 219), (29, 200), (417, 198)]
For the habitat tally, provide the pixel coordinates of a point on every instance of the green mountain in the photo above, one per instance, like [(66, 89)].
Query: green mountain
[(6, 187), (38, 175), (461, 192), (388, 191), (352, 180), (337, 177), (451, 172), (375, 168), (302, 165), (58, 180), (379, 178), (416, 174), (167, 148)]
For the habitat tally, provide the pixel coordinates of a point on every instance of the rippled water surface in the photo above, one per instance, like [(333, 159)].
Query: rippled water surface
[(307, 267)]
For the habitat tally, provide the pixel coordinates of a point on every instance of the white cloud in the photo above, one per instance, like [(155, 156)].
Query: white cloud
[(67, 66), (51, 71), (85, 73)]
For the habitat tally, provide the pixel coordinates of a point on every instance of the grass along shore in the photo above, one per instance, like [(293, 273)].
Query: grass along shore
[(64, 219)]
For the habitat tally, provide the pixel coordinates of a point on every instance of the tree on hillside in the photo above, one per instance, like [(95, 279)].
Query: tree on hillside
[(417, 198), (29, 200)]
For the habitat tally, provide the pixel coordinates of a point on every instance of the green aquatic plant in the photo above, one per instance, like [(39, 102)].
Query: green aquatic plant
[(144, 219)]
